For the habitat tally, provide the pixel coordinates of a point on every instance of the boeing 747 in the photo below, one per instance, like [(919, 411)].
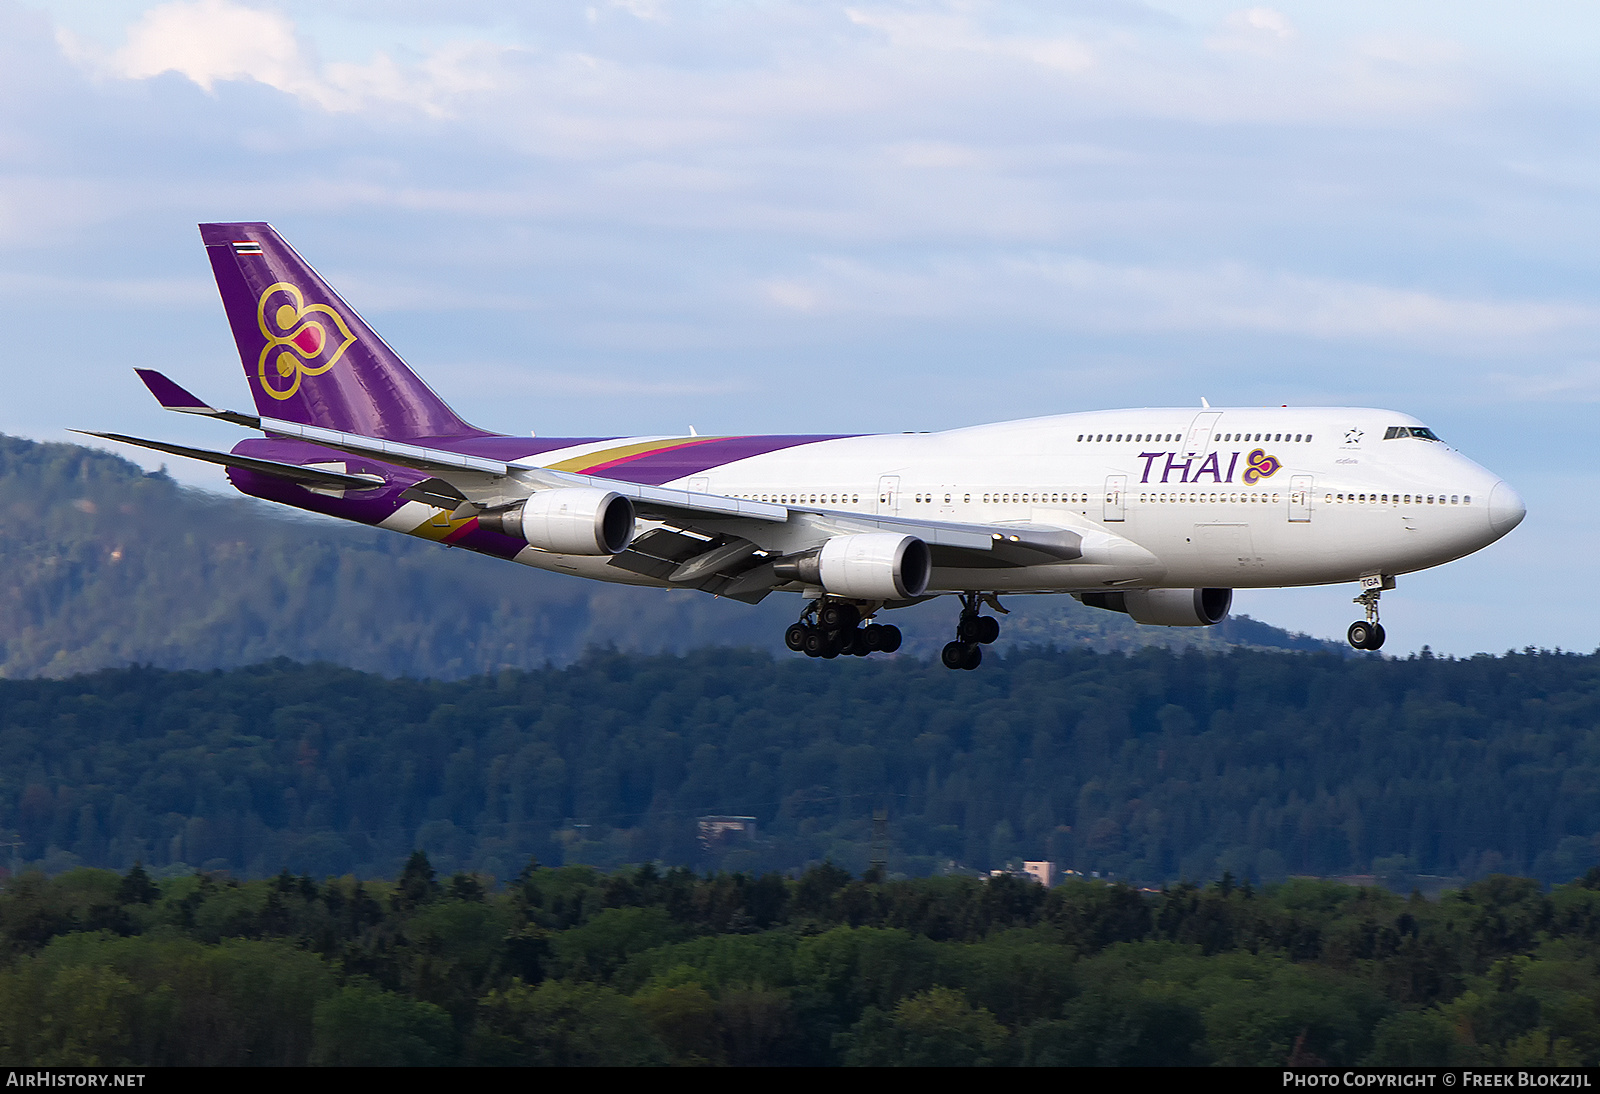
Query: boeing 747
[(1158, 512)]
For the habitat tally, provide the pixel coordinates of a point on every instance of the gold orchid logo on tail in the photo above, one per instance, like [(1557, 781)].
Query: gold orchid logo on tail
[(300, 342)]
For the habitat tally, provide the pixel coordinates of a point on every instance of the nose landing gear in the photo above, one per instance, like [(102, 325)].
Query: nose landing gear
[(973, 632), (829, 628), (1368, 634)]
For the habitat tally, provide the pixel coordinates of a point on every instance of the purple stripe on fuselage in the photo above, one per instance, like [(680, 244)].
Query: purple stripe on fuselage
[(655, 468), (506, 449), (647, 468)]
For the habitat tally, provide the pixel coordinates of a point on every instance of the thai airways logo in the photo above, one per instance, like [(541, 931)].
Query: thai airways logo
[(1180, 467), (302, 339), (1260, 466)]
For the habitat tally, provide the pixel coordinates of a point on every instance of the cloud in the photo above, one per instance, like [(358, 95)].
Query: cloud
[(1578, 382), (1065, 292), (954, 31), (1258, 32), (213, 41)]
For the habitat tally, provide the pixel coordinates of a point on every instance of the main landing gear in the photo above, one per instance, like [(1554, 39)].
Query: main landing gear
[(973, 632), (1368, 634), (833, 627)]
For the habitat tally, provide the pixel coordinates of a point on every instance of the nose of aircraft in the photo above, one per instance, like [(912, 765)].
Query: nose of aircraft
[(1505, 508)]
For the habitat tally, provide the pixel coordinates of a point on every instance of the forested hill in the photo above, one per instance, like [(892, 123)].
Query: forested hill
[(566, 966), (106, 566), (1154, 766)]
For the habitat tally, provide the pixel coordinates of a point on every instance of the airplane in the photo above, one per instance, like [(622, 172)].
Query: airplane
[(1159, 513)]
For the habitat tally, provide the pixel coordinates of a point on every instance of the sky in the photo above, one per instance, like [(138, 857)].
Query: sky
[(637, 216)]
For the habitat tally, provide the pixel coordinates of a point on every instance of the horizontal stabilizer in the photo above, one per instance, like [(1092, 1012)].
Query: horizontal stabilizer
[(173, 396), (314, 477)]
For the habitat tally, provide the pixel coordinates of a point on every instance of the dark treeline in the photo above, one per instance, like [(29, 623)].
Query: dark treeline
[(1155, 766), (571, 966)]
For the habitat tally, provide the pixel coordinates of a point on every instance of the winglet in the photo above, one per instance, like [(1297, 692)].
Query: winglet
[(170, 395), (173, 396)]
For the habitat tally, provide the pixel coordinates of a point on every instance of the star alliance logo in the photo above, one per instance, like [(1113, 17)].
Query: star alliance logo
[(1353, 436)]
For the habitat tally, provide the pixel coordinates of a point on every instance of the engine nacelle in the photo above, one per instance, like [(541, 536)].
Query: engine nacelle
[(1166, 607), (869, 566), (573, 520)]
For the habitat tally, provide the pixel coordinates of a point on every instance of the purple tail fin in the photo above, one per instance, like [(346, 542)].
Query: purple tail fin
[(309, 358)]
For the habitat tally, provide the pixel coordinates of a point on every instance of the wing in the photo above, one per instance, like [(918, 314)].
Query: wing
[(709, 541), (311, 477), (486, 483)]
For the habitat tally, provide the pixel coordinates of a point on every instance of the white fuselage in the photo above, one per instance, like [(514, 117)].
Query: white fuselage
[(1178, 498)]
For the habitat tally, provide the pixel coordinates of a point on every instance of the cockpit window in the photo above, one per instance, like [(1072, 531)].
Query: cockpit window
[(1422, 433)]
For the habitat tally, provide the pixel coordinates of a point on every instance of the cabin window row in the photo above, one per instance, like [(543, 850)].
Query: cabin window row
[(1084, 499), (1227, 499), (804, 499), (1400, 499), (1168, 438)]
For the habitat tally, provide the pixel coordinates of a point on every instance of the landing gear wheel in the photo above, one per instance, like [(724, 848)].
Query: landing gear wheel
[(816, 642), (973, 629), (839, 616), (889, 638), (1368, 634), (859, 644), (795, 637), (961, 655)]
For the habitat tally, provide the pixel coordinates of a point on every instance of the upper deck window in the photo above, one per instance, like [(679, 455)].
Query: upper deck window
[(1422, 433)]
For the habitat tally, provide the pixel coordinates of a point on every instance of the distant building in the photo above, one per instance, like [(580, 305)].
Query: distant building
[(1045, 873), (715, 831)]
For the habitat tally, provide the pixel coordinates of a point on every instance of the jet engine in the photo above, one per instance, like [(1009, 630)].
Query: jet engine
[(573, 520), (870, 566), (1166, 607)]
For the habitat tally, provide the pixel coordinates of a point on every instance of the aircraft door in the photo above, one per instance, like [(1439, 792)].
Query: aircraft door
[(1116, 503), (1200, 433), (889, 495), (1300, 499)]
